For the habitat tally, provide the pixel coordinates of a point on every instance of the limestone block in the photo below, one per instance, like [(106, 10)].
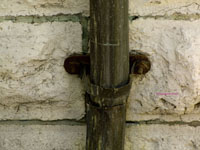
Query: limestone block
[(162, 137), (42, 137), (136, 7), (67, 137), (33, 82), (164, 7), (42, 7), (173, 48)]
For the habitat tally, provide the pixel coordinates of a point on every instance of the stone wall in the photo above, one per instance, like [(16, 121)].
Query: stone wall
[(42, 107)]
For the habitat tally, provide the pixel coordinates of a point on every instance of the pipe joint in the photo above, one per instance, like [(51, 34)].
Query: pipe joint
[(107, 97)]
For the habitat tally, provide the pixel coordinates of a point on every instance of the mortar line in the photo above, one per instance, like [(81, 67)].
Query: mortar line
[(84, 21), (179, 17), (71, 122), (161, 122), (43, 19), (79, 18), (82, 122)]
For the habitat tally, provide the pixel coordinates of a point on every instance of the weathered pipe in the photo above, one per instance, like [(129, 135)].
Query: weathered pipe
[(109, 55)]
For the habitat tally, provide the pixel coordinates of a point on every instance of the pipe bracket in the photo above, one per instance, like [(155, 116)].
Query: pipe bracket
[(139, 63), (106, 97)]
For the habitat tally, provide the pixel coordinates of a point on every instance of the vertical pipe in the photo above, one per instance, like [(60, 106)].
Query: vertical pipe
[(109, 55)]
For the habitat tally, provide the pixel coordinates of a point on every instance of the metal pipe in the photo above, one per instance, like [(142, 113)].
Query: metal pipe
[(109, 56)]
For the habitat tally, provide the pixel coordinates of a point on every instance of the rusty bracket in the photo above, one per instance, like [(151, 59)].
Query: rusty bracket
[(80, 64), (139, 63)]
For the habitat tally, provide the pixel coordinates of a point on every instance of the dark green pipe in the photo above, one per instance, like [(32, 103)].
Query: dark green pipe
[(109, 55)]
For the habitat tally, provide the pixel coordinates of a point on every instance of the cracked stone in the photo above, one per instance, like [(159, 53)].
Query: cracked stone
[(33, 82), (43, 7), (163, 8), (173, 47)]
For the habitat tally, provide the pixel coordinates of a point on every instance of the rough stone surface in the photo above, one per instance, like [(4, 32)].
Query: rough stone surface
[(173, 48), (33, 82), (42, 7), (162, 137), (42, 137), (35, 86), (163, 7), (137, 7), (66, 137)]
